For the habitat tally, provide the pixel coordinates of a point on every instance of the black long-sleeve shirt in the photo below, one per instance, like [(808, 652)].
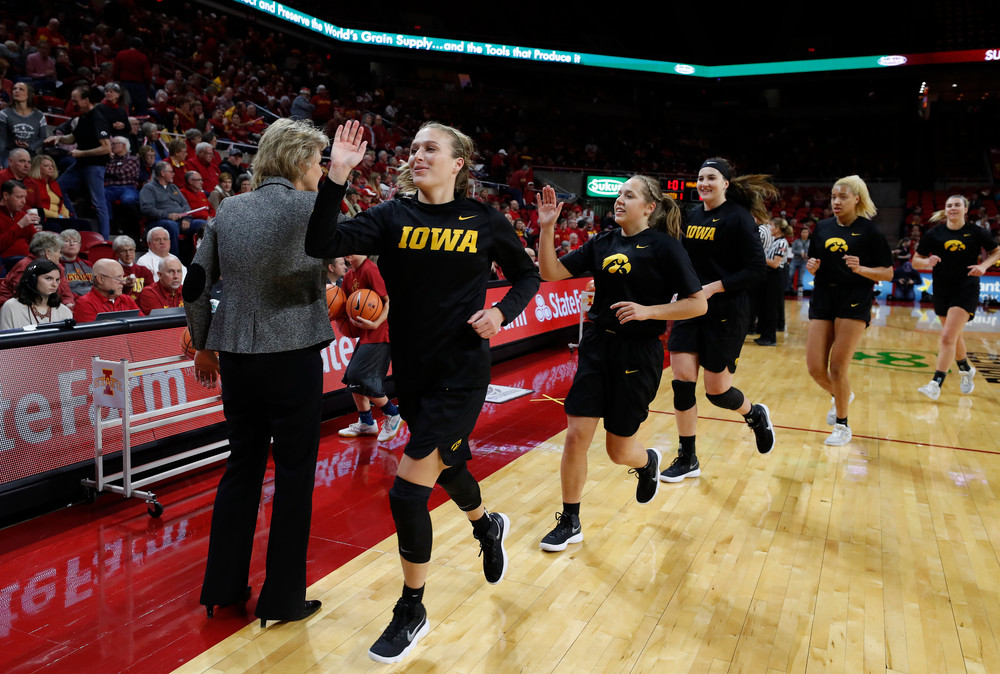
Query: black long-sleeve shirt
[(724, 246), (435, 260)]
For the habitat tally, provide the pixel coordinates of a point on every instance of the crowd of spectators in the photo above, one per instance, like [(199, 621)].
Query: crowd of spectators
[(156, 111)]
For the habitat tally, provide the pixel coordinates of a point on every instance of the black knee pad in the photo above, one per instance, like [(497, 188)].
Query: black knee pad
[(408, 503), (730, 400), (683, 394), (463, 489)]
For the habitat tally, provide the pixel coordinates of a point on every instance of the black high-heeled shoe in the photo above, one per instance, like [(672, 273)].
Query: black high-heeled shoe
[(310, 607), (210, 608)]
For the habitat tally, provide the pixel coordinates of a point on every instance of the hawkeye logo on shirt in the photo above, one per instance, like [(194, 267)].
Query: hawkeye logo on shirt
[(616, 264), (700, 232), (836, 245), (954, 245), (439, 238)]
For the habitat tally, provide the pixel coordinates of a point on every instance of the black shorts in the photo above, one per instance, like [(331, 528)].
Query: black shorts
[(965, 296), (441, 419), (366, 372), (716, 337), (616, 378), (829, 302)]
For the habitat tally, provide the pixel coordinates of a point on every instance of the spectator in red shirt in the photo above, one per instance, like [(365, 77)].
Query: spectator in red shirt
[(50, 33), (322, 105), (137, 277), (202, 162), (166, 292), (17, 225), (196, 197), (178, 159), (109, 279), (19, 166), (131, 68)]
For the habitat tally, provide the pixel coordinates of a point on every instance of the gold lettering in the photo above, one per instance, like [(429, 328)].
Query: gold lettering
[(406, 235), (469, 241), (420, 235), (448, 238)]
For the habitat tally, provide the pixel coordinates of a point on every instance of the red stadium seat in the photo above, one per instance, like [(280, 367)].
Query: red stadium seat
[(99, 251), (88, 239)]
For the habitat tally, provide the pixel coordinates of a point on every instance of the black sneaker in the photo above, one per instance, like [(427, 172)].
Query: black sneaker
[(682, 467), (408, 625), (568, 530), (762, 428), (648, 485), (491, 548)]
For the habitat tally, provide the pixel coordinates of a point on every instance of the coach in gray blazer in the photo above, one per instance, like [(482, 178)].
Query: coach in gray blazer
[(268, 330)]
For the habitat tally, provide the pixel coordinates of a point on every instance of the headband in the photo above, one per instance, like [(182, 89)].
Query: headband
[(721, 167)]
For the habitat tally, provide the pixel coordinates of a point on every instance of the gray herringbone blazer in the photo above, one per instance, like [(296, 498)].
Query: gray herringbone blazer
[(274, 297)]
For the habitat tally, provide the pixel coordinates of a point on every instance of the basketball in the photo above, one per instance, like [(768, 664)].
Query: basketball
[(187, 347), (365, 304), (335, 299), (348, 329)]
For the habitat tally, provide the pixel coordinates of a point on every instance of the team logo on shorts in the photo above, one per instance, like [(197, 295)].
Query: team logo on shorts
[(616, 264), (455, 446), (954, 245), (836, 245)]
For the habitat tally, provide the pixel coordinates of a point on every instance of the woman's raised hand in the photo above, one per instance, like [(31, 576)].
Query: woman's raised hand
[(548, 208), (347, 151)]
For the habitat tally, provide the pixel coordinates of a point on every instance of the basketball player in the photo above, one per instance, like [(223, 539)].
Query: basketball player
[(847, 254), (365, 375), (439, 334), (952, 249), (637, 270), (724, 245)]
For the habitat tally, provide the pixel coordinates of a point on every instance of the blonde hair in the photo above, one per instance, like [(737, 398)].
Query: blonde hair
[(36, 166), (462, 147), (866, 208), (939, 216), (285, 149), (666, 217)]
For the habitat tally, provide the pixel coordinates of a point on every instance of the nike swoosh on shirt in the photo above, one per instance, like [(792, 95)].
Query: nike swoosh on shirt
[(466, 217), (716, 219), (855, 304), (855, 233), (638, 246), (630, 371)]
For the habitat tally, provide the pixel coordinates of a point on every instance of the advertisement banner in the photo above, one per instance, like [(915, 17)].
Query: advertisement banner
[(45, 390)]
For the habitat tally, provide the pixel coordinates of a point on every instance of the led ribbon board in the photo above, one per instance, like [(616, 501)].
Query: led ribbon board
[(534, 54)]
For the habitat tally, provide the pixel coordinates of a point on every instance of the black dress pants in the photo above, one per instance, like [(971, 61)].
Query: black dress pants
[(265, 396)]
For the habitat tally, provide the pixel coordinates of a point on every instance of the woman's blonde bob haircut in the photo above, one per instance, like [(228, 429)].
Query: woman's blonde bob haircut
[(285, 149), (36, 166), (865, 209)]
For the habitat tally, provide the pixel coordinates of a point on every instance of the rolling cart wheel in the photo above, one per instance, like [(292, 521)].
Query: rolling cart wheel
[(90, 494), (154, 509)]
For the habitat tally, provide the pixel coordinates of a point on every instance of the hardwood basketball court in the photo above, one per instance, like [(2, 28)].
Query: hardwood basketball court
[(877, 556)]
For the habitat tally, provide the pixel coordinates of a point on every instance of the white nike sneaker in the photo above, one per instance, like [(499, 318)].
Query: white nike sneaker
[(931, 389), (840, 436), (967, 386), (358, 428), (831, 416), (390, 427)]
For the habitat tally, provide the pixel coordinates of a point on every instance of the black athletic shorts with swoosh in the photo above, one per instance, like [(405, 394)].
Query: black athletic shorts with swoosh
[(616, 378), (832, 301)]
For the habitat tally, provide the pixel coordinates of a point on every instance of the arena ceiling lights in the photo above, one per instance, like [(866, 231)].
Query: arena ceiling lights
[(537, 55)]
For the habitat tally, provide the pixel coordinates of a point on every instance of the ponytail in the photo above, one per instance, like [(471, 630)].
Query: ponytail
[(666, 217)]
